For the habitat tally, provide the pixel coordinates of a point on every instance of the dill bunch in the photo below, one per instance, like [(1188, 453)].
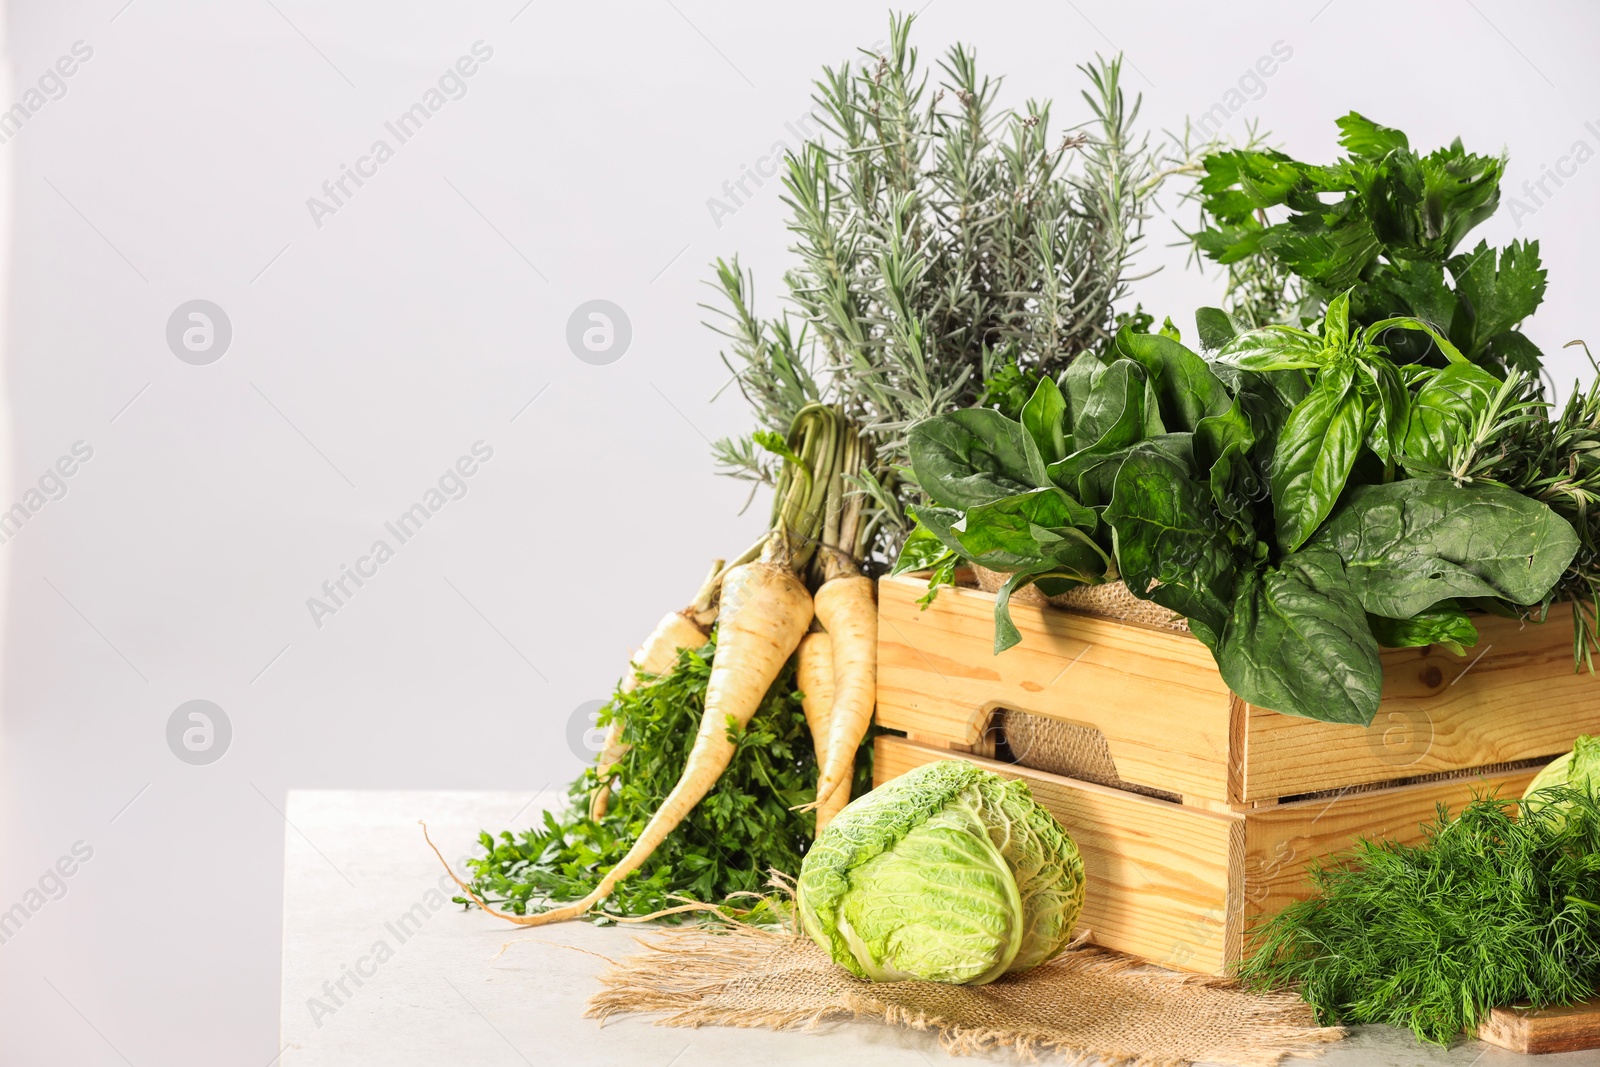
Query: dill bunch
[(727, 845), (1498, 906)]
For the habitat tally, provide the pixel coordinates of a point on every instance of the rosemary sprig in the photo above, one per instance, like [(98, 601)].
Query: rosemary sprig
[(941, 240)]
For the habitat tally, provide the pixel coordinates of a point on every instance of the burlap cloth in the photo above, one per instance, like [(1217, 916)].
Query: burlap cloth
[(1110, 600), (1086, 1004)]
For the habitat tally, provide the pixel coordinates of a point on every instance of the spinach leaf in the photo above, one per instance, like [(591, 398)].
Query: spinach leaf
[(1443, 624), (1298, 642), (1018, 532), (1408, 545), (1215, 433), (1005, 630), (1077, 382), (1171, 545), (938, 523), (1441, 414), (1186, 391), (1043, 416), (1215, 327), (1113, 416), (970, 457), (1317, 448), (923, 550)]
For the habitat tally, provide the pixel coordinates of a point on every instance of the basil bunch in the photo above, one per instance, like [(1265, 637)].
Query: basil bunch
[(1292, 497)]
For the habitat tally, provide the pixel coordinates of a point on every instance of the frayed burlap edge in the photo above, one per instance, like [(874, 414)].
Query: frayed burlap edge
[(681, 971), (1111, 600)]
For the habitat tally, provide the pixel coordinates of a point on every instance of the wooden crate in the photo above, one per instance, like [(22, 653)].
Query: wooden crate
[(1179, 884), (1249, 796), (1171, 724)]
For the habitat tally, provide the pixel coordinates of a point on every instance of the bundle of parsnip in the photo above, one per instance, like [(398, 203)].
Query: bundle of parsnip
[(764, 613)]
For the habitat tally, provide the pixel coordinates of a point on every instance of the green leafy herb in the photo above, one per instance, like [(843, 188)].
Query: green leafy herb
[(1498, 906), (951, 253), (1444, 624), (1408, 545), (730, 841), (1385, 219), (1298, 640)]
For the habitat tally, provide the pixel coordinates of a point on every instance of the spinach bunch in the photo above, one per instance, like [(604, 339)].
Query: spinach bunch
[(1389, 220), (1290, 496)]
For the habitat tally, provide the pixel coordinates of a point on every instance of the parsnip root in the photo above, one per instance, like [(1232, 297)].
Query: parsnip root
[(764, 612), (675, 631), (814, 677), (846, 609)]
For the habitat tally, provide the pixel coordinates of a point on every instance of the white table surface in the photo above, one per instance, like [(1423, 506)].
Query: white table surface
[(355, 862)]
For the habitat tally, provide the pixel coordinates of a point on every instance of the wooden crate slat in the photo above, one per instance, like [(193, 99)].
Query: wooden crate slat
[(938, 678), (1169, 905), (1514, 696), (1170, 723), (1281, 839)]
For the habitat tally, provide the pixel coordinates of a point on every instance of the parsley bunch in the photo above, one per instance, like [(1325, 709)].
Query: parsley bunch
[(730, 841), (1385, 219), (1498, 906)]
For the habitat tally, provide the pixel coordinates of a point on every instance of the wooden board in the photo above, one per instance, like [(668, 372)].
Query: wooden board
[(938, 678), (1169, 905), (1571, 1029)]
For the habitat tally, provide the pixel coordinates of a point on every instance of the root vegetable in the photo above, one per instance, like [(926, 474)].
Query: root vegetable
[(764, 612), (846, 609), (676, 631), (814, 676)]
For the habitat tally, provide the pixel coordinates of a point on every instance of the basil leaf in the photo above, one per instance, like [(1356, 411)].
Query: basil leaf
[(1273, 347), (1441, 414), (1298, 642), (970, 457), (1316, 449), (1336, 321), (1444, 624), (1408, 545), (1043, 416), (1186, 390), (1171, 546), (1406, 322), (1389, 407)]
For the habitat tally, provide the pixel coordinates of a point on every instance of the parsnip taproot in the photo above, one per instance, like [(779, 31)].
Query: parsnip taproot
[(847, 610), (764, 611), (676, 631), (814, 677)]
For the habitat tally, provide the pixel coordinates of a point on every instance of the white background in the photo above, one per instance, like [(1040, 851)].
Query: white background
[(369, 353)]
